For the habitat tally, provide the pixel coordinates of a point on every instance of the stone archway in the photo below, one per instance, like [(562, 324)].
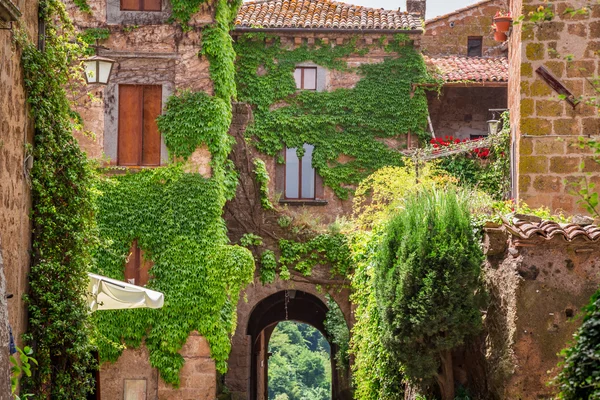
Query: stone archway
[(260, 309)]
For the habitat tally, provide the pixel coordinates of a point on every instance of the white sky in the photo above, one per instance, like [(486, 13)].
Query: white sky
[(434, 7)]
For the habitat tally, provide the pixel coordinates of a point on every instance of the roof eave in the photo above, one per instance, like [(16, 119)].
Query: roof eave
[(326, 30)]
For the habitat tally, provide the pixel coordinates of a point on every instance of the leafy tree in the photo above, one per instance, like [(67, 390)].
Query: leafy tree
[(427, 277), (580, 376), (299, 368)]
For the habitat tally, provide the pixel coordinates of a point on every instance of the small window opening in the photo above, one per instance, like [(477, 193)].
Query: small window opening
[(306, 78), (137, 267), (475, 46)]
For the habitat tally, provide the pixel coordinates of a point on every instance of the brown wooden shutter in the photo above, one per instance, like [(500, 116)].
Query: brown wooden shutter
[(129, 144), (151, 136), (144, 270), (152, 5), (133, 264), (131, 5)]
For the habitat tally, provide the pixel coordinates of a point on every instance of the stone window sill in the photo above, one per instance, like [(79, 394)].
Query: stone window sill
[(308, 202), (8, 11)]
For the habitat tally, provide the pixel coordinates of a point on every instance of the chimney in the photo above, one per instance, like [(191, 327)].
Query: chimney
[(416, 7)]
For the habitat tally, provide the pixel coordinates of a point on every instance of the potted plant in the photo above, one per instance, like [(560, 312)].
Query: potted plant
[(499, 36), (502, 21)]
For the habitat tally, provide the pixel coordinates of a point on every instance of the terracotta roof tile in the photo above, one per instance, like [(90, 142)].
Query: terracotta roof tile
[(327, 14), (548, 230), (479, 69)]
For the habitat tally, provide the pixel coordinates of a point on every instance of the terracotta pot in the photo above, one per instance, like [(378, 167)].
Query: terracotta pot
[(500, 36), (502, 24)]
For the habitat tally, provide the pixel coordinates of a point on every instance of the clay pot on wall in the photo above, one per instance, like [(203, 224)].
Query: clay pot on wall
[(500, 36), (502, 23)]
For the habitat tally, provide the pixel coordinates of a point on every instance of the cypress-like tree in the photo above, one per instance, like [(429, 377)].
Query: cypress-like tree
[(427, 284)]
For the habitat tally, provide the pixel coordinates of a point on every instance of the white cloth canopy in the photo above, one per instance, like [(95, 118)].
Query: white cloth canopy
[(110, 294)]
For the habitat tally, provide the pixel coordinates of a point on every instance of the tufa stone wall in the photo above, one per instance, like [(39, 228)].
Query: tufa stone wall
[(449, 34), (198, 375), (547, 127), (537, 287), (16, 130)]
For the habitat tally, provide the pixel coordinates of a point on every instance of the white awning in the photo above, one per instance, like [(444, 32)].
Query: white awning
[(110, 294)]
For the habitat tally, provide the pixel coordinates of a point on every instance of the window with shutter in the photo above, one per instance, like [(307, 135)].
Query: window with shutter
[(137, 267), (306, 78), (139, 138), (299, 174), (141, 5)]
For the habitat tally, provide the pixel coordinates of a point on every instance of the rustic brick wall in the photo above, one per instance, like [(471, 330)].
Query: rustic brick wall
[(448, 34), (461, 111), (547, 127), (16, 130), (537, 288)]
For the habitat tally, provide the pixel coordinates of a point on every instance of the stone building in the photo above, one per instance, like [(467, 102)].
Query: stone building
[(16, 132), (560, 53)]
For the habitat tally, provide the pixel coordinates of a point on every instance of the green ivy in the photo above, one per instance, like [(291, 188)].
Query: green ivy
[(176, 219), (385, 103), (323, 249), (262, 178), (580, 374), (268, 267), (91, 35), (337, 329), (209, 116), (62, 216)]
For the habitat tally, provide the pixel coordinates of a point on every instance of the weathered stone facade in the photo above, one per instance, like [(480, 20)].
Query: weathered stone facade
[(448, 34), (16, 131), (545, 127), (538, 285)]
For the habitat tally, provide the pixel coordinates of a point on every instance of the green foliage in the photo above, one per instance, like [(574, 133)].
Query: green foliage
[(585, 190), (250, 239), (217, 46), (323, 249), (374, 373), (337, 329), (90, 35), (384, 191), (491, 175), (427, 278), (299, 367), (62, 215), (20, 367), (83, 6), (195, 118), (351, 122), (176, 219), (579, 378), (268, 267), (262, 178)]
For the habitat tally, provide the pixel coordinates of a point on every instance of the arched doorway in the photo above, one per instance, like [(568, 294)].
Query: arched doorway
[(291, 305)]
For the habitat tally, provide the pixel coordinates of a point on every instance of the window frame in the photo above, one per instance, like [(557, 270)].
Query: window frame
[(475, 38), (302, 68), (285, 177), (141, 8), (140, 155), (141, 268)]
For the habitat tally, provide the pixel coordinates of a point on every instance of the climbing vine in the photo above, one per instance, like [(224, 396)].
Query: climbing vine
[(386, 103), (62, 216), (262, 178), (323, 249), (176, 218)]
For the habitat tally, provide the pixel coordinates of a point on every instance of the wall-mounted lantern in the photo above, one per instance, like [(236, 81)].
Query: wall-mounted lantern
[(493, 125), (97, 69)]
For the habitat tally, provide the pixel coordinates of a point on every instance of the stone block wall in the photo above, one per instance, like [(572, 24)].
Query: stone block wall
[(537, 289), (16, 130), (547, 128), (198, 375), (448, 34)]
